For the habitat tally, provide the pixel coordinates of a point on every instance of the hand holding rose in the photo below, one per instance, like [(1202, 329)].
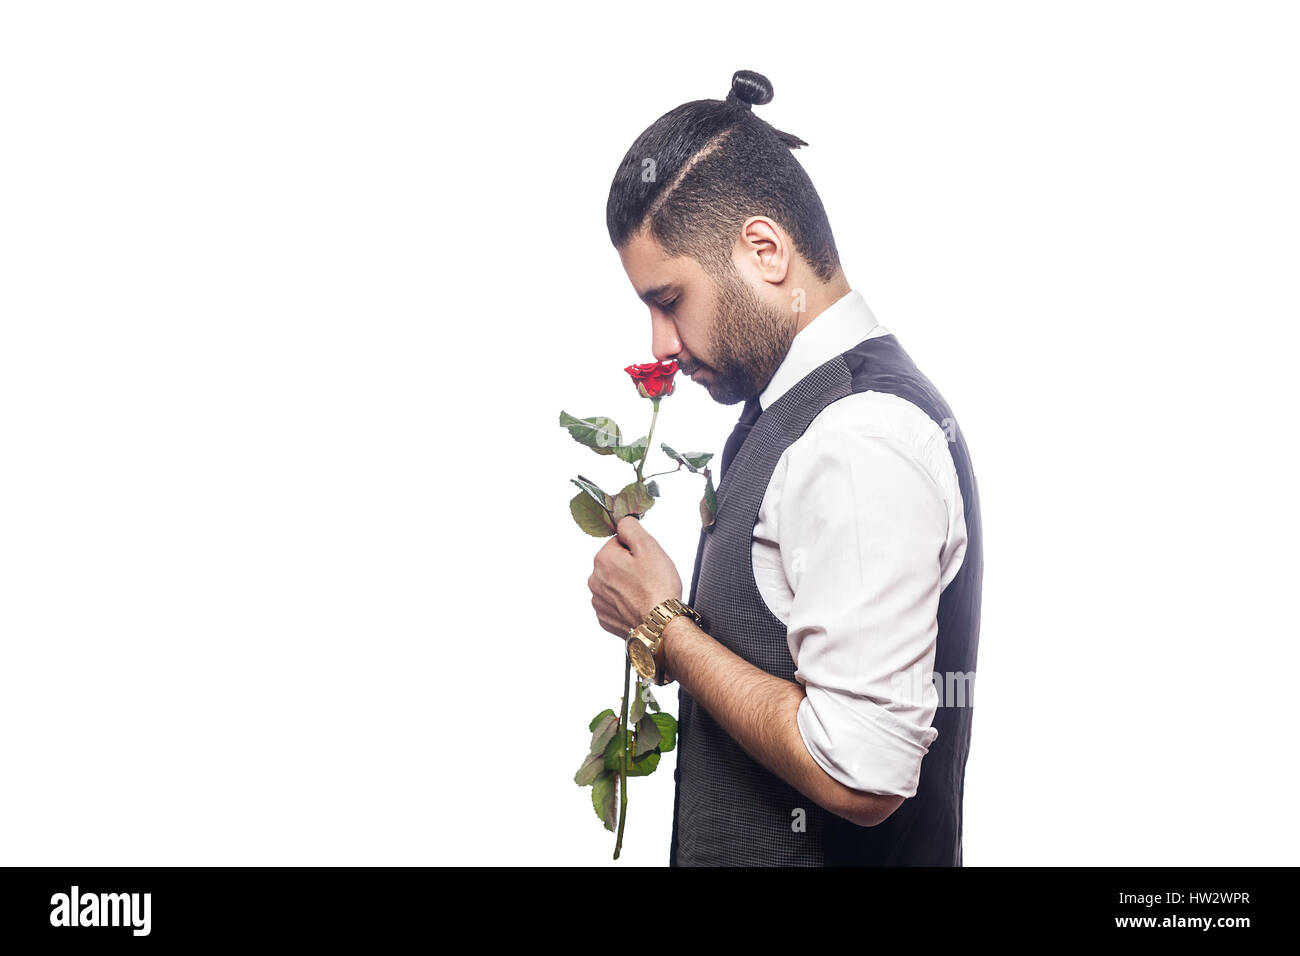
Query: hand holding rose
[(631, 574)]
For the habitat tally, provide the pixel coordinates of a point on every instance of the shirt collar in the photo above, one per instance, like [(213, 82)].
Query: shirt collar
[(837, 328)]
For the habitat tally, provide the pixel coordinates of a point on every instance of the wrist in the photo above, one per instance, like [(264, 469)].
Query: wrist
[(646, 642), (671, 638)]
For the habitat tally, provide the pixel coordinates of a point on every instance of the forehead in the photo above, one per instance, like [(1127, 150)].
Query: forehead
[(649, 267)]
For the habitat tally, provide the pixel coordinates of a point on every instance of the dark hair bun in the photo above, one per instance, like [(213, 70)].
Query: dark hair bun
[(749, 89)]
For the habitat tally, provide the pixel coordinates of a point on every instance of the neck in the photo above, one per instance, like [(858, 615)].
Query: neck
[(821, 296)]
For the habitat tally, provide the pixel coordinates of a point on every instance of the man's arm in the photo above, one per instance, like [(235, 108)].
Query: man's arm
[(631, 574), (868, 523), (759, 711)]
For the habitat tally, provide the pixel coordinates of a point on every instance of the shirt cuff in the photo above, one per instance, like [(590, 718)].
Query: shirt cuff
[(874, 750)]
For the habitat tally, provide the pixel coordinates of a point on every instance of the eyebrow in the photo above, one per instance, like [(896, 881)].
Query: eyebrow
[(656, 292)]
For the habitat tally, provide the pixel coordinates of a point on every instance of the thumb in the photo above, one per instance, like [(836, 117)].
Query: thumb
[(631, 533)]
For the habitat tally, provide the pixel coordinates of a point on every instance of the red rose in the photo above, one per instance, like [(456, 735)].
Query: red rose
[(653, 379)]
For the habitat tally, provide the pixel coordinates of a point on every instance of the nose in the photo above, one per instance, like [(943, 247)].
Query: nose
[(664, 343)]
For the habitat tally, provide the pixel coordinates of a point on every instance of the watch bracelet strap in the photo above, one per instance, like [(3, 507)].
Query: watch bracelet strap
[(665, 611), (654, 624)]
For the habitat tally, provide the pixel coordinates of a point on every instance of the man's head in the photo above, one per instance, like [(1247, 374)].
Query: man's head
[(724, 238)]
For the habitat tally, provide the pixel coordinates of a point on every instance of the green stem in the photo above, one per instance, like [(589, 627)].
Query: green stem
[(622, 802), (668, 472), (641, 464)]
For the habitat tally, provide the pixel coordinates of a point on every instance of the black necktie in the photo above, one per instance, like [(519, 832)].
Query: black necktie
[(738, 434), (737, 438)]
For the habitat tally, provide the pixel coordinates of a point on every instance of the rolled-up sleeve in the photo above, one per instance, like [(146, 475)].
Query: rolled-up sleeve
[(863, 527)]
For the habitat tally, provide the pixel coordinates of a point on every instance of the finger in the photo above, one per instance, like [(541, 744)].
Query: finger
[(613, 545), (608, 617)]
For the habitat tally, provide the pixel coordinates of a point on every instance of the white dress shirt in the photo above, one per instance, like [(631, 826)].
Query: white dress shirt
[(861, 528)]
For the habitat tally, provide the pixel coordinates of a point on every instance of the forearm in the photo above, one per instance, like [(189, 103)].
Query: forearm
[(759, 711)]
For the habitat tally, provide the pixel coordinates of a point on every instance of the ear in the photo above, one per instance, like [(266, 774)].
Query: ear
[(763, 250)]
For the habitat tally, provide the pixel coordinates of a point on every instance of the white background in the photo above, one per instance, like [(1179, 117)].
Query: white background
[(292, 295)]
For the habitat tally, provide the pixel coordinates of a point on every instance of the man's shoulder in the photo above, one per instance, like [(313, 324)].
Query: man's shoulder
[(876, 414), (854, 424)]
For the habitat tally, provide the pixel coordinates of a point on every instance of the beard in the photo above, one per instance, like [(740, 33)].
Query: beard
[(749, 341)]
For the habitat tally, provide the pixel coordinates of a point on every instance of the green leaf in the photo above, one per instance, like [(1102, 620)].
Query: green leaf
[(633, 453), (672, 453), (599, 717), (693, 460), (604, 798), (598, 494), (599, 434), (667, 725), (647, 736), (634, 499), (590, 516), (591, 768), (606, 729), (613, 755), (636, 709), (650, 699), (645, 765), (709, 503)]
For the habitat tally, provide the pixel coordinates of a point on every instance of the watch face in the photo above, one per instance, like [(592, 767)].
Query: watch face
[(642, 659)]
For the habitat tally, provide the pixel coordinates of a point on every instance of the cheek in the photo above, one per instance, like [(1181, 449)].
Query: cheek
[(694, 343)]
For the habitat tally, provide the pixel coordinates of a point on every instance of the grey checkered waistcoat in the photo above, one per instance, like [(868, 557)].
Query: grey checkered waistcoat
[(729, 810)]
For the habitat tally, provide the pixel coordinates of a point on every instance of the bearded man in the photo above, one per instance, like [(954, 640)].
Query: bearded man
[(824, 674)]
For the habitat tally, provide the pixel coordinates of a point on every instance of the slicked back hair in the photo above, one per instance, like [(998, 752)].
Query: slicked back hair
[(701, 170)]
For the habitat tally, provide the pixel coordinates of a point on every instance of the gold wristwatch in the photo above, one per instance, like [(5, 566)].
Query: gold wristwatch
[(645, 641)]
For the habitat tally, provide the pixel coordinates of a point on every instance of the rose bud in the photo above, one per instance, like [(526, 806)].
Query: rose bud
[(653, 379)]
